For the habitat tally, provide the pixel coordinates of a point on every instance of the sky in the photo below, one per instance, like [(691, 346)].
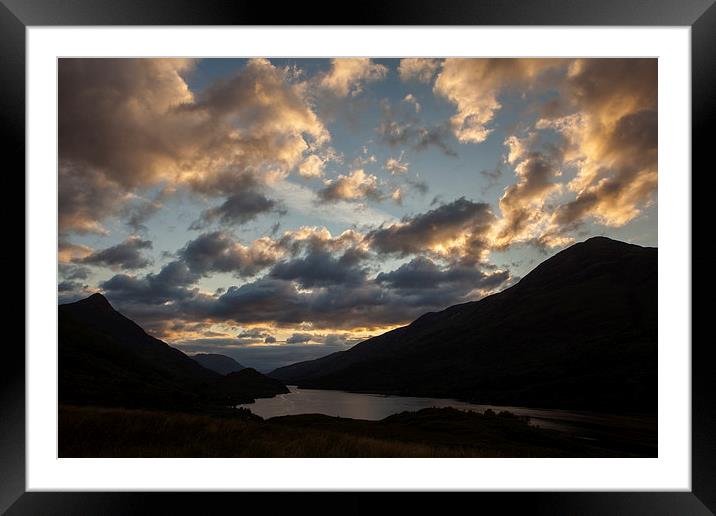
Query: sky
[(277, 210)]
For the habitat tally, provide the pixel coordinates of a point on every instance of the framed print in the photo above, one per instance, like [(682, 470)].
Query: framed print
[(445, 249)]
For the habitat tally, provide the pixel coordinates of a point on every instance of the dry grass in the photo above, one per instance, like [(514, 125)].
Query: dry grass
[(111, 432)]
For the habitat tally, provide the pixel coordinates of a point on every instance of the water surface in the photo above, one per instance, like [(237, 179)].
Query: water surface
[(586, 425)]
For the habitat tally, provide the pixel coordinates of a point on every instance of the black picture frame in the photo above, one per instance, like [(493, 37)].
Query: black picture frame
[(17, 15)]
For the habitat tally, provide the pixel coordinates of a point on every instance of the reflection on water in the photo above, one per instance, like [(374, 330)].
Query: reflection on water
[(586, 425), (345, 404)]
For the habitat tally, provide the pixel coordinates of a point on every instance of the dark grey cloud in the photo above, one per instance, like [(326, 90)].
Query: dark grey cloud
[(137, 211), (436, 136), (127, 255), (402, 128), (218, 252), (68, 286), (336, 339), (239, 208), (418, 185), (253, 333), (299, 338), (320, 269), (425, 283), (254, 336), (161, 300), (170, 284), (423, 273), (314, 278), (418, 233), (73, 272), (84, 198), (492, 176), (395, 299)]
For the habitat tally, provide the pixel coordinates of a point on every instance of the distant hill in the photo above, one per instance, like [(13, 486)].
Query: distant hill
[(218, 363), (250, 380), (579, 332), (107, 359)]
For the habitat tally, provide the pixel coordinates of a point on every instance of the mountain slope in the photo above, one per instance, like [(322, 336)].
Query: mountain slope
[(579, 331), (218, 363), (107, 359)]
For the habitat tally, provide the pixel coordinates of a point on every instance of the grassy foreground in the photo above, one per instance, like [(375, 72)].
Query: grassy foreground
[(116, 432)]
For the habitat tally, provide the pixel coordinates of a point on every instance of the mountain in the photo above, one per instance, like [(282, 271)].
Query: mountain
[(107, 359), (579, 331), (250, 380), (218, 363)]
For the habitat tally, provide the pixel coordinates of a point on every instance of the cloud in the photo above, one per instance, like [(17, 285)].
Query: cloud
[(423, 279), (138, 213), (240, 208), (253, 336), (316, 280), (284, 303), (390, 299), (68, 286), (492, 176), (336, 339), (72, 272), (418, 69), (522, 204), (255, 333), (320, 269), (420, 186), (603, 112), (347, 76), (356, 186), (410, 99), (457, 230), (126, 255), (131, 124), (312, 166), (167, 286), (301, 199), (319, 239), (396, 166), (400, 128), (85, 198), (474, 86), (299, 338), (611, 136), (218, 252)]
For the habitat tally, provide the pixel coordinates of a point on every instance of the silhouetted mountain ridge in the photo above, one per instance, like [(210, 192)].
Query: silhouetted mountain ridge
[(107, 359), (218, 363), (579, 331)]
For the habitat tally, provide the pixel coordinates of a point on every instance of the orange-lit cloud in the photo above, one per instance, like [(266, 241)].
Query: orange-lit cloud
[(419, 69), (356, 186), (347, 75), (147, 128), (474, 85), (611, 139)]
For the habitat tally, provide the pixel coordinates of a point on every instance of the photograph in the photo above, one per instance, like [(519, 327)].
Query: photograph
[(357, 257)]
